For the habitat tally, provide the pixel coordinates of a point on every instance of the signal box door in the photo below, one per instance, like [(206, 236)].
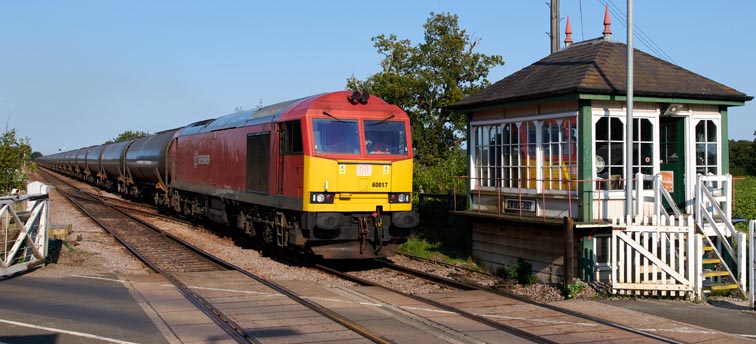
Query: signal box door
[(672, 148)]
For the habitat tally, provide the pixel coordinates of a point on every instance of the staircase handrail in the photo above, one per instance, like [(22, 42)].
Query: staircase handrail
[(705, 215), (659, 192), (705, 194), (659, 187)]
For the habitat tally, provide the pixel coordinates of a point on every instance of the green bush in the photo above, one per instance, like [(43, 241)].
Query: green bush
[(521, 271), (744, 202), (575, 288), (439, 177)]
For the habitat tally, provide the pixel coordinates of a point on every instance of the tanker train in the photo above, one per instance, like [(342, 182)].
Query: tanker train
[(329, 174)]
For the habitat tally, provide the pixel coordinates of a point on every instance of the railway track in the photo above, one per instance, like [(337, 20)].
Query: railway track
[(459, 300), (176, 260), (491, 307)]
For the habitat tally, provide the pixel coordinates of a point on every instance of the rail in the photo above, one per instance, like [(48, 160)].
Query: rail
[(24, 232)]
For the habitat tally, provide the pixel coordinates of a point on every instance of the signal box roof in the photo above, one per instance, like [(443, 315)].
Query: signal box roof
[(599, 66)]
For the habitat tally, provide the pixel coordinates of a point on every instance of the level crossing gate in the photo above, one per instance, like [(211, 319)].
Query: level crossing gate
[(656, 256), (23, 226)]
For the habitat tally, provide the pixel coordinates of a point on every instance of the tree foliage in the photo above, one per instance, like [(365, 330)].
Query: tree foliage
[(36, 155), (743, 157), (425, 79), (127, 135), (15, 161)]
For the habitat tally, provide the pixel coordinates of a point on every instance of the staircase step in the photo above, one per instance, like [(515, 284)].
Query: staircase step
[(727, 286), (711, 261), (716, 273), (708, 248)]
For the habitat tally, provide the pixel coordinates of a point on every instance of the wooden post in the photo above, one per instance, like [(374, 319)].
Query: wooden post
[(569, 253)]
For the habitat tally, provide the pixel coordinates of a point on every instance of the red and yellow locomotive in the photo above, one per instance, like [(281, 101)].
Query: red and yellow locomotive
[(329, 174)]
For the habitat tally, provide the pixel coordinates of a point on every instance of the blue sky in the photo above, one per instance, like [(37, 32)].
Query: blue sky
[(77, 73)]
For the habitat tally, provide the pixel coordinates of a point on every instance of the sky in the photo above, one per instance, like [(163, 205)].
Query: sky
[(78, 73)]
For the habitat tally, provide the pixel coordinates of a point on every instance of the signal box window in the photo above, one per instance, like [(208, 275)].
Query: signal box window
[(291, 138), (336, 136), (538, 155), (383, 137), (609, 160), (706, 148), (559, 146)]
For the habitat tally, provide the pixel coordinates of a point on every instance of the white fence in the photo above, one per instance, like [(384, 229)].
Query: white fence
[(656, 256), (751, 262), (24, 221)]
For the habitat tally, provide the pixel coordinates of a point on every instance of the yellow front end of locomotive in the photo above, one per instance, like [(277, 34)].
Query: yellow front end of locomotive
[(356, 186)]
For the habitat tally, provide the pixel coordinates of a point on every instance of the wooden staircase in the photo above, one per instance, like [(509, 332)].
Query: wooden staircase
[(723, 262), (717, 278)]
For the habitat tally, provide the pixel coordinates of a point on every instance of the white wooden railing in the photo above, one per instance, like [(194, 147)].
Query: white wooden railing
[(752, 263), (656, 195), (24, 238)]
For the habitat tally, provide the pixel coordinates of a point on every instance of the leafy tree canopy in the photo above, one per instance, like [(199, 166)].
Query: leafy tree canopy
[(15, 161), (127, 135), (426, 78), (35, 155), (743, 157)]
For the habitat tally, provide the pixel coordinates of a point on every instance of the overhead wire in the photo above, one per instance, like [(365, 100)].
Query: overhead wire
[(642, 37), (582, 30)]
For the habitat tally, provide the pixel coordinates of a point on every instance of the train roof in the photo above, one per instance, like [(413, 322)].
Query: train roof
[(264, 114)]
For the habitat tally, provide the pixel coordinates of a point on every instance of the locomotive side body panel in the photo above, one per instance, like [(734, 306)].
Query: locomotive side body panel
[(215, 159)]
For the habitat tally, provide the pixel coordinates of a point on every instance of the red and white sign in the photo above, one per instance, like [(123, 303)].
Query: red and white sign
[(364, 170)]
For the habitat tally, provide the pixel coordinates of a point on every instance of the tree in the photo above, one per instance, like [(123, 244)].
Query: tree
[(15, 161), (743, 157), (424, 80), (127, 135), (36, 155)]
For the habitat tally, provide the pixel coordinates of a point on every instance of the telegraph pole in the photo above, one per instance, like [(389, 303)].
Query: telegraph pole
[(629, 115), (554, 35)]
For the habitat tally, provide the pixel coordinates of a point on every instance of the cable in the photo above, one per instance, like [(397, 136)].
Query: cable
[(582, 31), (642, 37)]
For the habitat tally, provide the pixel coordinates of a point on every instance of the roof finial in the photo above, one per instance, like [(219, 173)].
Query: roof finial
[(568, 33), (607, 24)]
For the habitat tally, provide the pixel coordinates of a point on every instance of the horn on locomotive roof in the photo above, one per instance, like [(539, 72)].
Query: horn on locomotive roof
[(359, 97)]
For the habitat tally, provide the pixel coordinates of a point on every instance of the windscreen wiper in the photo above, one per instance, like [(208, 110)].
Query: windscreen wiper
[(383, 120)]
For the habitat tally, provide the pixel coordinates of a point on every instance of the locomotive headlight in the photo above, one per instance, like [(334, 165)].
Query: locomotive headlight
[(321, 197), (399, 198)]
